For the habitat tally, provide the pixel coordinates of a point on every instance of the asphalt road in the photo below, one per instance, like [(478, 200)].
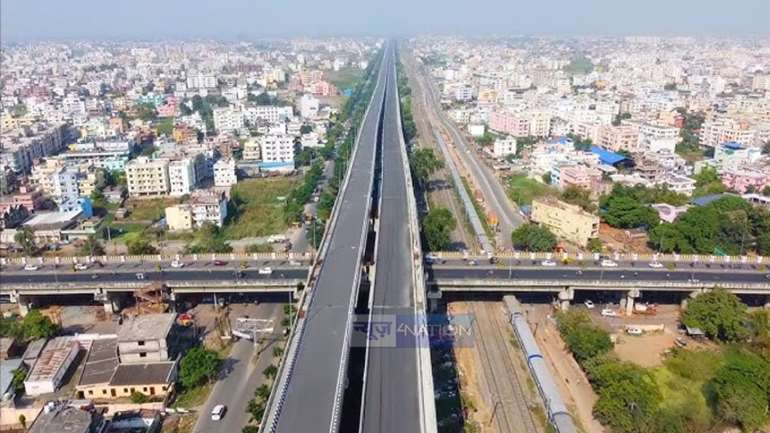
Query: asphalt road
[(239, 377), (391, 400), (706, 276), (212, 274), (315, 383), (492, 189)]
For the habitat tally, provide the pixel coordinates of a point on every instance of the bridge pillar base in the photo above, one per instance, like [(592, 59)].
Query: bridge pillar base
[(565, 297), (25, 304), (630, 299)]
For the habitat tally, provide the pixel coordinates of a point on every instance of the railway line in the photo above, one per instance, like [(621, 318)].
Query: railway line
[(510, 411)]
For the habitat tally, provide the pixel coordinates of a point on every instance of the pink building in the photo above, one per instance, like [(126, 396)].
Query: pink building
[(30, 199), (508, 123), (323, 88), (741, 180), (580, 176)]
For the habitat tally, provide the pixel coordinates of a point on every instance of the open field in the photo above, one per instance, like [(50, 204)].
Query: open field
[(258, 207), (345, 78), (523, 190)]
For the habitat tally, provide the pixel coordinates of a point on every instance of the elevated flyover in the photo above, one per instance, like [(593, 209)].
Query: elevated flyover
[(398, 383), (310, 387)]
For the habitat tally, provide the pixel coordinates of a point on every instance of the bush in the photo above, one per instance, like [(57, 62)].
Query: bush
[(531, 237), (139, 398), (437, 228), (742, 390), (198, 366)]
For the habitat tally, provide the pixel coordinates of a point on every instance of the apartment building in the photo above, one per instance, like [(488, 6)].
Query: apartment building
[(308, 106), (252, 149), (581, 176), (277, 148), (181, 177), (504, 147), (622, 137), (227, 119), (567, 221), (508, 123), (203, 208), (147, 177), (18, 153), (224, 172), (717, 130), (267, 113), (744, 180)]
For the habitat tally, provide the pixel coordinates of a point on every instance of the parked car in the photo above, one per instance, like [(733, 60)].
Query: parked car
[(589, 304), (218, 412), (607, 263), (177, 264), (30, 267), (219, 262), (609, 312), (139, 276), (81, 266), (265, 271), (633, 330), (656, 265), (548, 263)]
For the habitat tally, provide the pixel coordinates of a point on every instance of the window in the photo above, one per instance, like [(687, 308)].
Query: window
[(90, 392), (125, 390), (140, 342), (104, 392), (143, 355)]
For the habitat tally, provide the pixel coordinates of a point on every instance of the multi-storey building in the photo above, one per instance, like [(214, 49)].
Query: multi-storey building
[(504, 147), (224, 172), (567, 221), (277, 148), (181, 177), (147, 177), (227, 119)]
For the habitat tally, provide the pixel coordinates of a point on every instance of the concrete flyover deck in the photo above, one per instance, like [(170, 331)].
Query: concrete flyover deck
[(309, 391), (395, 376)]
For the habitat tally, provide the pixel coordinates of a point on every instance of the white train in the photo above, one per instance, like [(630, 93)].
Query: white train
[(558, 414)]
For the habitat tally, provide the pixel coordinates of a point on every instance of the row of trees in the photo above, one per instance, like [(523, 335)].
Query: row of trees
[(32, 327), (437, 227), (532, 237)]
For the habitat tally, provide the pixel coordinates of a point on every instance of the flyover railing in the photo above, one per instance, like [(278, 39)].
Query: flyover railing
[(620, 257), (128, 258)]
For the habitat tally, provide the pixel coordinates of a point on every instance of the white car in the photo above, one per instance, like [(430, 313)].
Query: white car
[(607, 263), (265, 271), (30, 267), (139, 276), (218, 412), (656, 265), (177, 264), (632, 330), (589, 304), (609, 312), (81, 267), (548, 263)]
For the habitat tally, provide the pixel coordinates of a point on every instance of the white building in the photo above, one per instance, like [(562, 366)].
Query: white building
[(310, 140), (181, 177), (308, 106), (201, 81), (224, 172), (50, 366), (269, 113), (227, 119), (504, 147), (277, 148)]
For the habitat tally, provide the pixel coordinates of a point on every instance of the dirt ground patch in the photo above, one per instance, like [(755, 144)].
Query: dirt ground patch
[(645, 350)]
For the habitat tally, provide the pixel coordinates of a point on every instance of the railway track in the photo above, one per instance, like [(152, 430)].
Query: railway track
[(510, 411)]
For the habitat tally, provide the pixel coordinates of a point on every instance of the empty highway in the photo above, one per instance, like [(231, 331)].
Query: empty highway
[(315, 380), (391, 400)]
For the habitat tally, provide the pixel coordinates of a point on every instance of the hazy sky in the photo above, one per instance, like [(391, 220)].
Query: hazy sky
[(25, 19)]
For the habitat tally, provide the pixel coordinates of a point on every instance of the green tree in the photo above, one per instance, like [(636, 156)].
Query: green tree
[(270, 371), (629, 398), (424, 163), (141, 246), (486, 139), (17, 378), (741, 389), (35, 326), (626, 212), (92, 247), (719, 313), (26, 240), (580, 197), (198, 366), (531, 237), (256, 409), (595, 245), (437, 227), (262, 392), (165, 126), (250, 429), (707, 182)]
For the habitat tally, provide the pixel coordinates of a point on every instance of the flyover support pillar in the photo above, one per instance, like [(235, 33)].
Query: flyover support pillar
[(630, 297), (565, 297), (434, 297), (767, 302), (693, 295), (25, 304)]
